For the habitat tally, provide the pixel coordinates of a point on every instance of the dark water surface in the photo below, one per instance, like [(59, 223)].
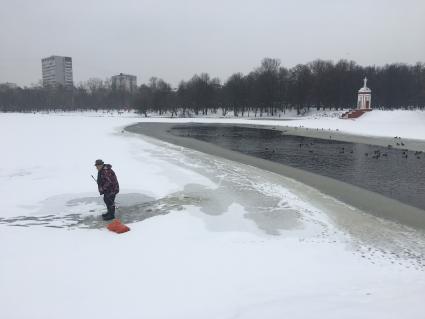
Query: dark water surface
[(395, 173)]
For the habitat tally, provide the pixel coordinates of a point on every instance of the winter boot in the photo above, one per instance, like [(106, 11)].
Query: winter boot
[(108, 216)]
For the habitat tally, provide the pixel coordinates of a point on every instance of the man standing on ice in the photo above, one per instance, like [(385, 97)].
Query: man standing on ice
[(108, 187)]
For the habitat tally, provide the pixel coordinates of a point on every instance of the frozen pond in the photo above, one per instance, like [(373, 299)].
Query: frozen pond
[(226, 231)]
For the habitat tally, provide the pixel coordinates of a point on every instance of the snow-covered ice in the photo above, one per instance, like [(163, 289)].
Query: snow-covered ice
[(209, 238)]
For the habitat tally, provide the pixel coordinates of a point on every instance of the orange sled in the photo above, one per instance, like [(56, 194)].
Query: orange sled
[(118, 227)]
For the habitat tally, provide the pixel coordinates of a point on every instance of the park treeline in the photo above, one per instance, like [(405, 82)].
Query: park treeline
[(269, 89)]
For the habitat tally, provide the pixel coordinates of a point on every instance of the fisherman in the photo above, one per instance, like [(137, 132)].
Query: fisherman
[(108, 187)]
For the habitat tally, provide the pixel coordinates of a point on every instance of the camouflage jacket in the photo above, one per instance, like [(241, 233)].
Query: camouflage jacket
[(107, 180)]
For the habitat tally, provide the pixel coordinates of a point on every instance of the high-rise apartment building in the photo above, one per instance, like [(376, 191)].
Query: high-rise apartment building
[(124, 82), (57, 70)]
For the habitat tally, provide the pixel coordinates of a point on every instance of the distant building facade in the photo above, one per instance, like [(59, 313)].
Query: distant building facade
[(57, 70), (124, 82), (8, 85), (364, 98)]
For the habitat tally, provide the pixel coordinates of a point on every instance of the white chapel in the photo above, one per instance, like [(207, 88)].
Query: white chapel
[(364, 98)]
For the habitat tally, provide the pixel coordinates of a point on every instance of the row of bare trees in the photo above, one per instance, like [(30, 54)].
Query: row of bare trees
[(269, 89)]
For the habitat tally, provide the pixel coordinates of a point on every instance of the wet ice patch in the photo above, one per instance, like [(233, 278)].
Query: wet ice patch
[(85, 212)]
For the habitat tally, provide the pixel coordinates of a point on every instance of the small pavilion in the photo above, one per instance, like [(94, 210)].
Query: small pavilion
[(363, 103), (364, 97)]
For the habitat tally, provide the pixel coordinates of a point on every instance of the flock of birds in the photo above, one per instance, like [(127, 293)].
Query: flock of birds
[(405, 152), (376, 153)]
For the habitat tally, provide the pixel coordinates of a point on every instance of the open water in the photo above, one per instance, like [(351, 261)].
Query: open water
[(395, 173)]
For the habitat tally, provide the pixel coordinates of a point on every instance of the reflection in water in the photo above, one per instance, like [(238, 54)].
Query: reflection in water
[(395, 173)]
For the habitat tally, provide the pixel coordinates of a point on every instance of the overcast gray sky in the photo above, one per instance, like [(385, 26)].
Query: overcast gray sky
[(175, 39)]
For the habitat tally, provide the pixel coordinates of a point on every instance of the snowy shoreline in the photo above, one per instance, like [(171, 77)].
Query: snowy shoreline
[(378, 126), (381, 128)]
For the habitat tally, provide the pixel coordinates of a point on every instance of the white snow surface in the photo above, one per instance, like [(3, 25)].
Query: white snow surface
[(406, 124), (235, 242)]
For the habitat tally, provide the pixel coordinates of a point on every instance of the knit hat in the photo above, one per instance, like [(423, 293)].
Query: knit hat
[(98, 162)]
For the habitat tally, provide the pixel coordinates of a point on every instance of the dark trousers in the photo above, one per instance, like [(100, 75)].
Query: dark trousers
[(109, 200)]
